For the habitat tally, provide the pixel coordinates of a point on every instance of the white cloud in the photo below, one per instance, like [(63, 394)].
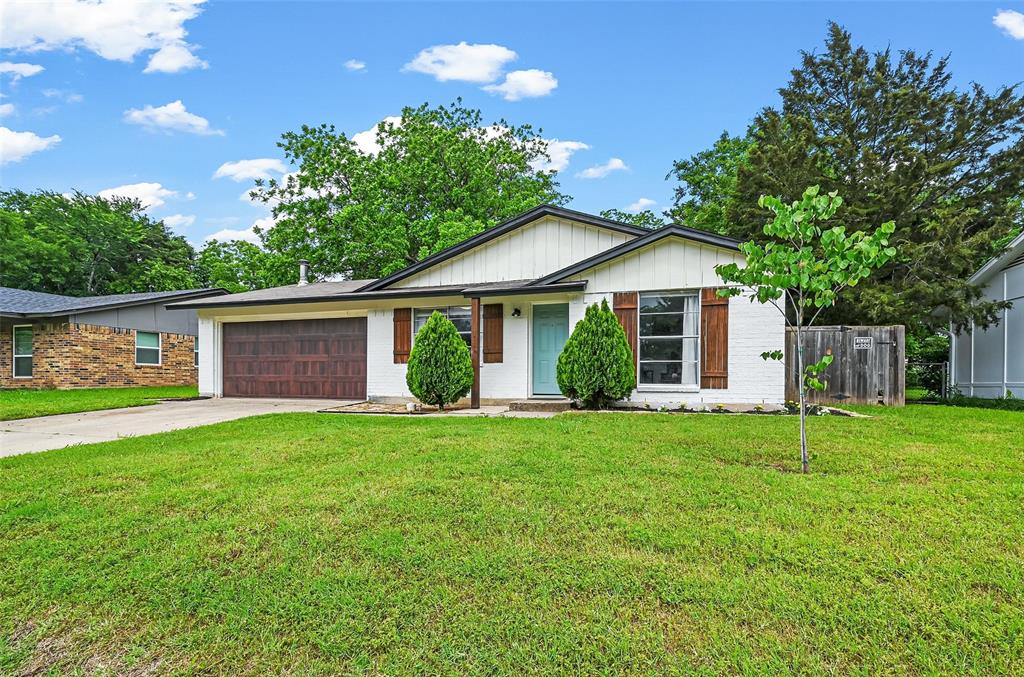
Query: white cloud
[(559, 153), (179, 220), (355, 65), (63, 95), (1011, 22), (170, 117), (248, 234), (469, 63), (641, 204), (6, 109), (116, 30), (259, 168), (366, 140), (524, 84), (151, 195), (600, 171), (20, 70), (174, 58), (16, 146)]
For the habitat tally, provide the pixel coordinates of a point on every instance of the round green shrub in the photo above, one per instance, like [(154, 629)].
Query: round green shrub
[(596, 365), (440, 368)]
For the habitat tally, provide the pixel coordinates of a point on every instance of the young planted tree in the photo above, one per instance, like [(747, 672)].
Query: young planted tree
[(801, 269), (596, 365), (440, 368)]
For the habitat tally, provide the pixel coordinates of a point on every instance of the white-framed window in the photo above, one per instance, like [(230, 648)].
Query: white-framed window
[(22, 348), (147, 348), (461, 317), (669, 338), (195, 349)]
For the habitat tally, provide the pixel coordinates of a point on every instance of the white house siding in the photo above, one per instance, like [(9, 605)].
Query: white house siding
[(528, 252), (990, 362), (670, 263)]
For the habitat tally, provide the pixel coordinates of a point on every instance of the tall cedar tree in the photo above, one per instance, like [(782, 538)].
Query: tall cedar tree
[(435, 177), (83, 245), (900, 143)]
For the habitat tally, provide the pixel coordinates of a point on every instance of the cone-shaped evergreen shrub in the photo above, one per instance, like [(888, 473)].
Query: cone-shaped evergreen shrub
[(596, 365), (440, 368)]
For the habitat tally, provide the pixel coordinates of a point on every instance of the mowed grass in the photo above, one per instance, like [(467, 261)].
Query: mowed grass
[(586, 543), (16, 404)]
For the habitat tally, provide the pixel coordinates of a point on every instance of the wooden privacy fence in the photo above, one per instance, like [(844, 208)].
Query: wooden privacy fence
[(868, 365)]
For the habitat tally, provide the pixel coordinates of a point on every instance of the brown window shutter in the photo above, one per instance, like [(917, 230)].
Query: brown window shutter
[(714, 339), (493, 332), (624, 304), (403, 334)]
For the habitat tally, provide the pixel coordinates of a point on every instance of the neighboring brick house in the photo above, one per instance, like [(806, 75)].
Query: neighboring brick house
[(53, 341)]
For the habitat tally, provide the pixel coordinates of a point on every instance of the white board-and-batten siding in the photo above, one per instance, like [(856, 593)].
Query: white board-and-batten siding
[(526, 253), (671, 263)]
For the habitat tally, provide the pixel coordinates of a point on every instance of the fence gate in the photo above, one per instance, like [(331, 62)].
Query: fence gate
[(868, 365)]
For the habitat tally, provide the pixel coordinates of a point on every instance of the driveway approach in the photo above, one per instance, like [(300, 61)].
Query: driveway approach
[(54, 432)]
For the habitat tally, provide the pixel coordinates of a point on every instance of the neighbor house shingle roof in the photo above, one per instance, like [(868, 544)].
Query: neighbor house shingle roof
[(25, 303)]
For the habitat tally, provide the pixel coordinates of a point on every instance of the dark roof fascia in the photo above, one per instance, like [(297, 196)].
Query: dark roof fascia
[(499, 230), (516, 291), (411, 292), (128, 304), (633, 245)]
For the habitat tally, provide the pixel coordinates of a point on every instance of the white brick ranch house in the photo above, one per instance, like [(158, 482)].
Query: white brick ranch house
[(515, 291)]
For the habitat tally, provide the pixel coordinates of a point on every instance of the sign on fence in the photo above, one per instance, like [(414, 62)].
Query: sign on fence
[(868, 364)]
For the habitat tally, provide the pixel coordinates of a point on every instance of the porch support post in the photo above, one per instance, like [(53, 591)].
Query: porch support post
[(474, 351)]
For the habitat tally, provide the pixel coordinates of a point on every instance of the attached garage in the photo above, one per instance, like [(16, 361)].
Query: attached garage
[(296, 358)]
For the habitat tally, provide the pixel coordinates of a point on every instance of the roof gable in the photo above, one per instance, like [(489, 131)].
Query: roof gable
[(1008, 258), (652, 237), (501, 229)]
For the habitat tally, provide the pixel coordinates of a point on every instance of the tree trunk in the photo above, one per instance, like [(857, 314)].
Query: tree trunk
[(805, 465)]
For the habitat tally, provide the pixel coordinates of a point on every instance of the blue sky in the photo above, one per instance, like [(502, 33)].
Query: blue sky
[(639, 85)]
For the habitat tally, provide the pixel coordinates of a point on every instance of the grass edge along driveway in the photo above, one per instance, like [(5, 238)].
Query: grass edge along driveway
[(27, 403), (584, 543)]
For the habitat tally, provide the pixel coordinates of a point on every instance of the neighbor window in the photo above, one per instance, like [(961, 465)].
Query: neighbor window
[(668, 339), (461, 317), (23, 351), (147, 347), (195, 349)]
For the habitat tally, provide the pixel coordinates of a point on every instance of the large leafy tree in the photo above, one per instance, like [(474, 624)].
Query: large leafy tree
[(645, 219), (83, 245), (434, 177), (893, 135), (706, 193), (237, 266)]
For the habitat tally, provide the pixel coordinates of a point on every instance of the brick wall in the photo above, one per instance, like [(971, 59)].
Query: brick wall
[(89, 356)]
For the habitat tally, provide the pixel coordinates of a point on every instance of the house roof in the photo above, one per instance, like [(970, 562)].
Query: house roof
[(1013, 254), (632, 245), (351, 290), (25, 303), (501, 229)]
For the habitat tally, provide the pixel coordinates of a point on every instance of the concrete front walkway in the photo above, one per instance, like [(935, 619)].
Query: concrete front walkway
[(54, 432)]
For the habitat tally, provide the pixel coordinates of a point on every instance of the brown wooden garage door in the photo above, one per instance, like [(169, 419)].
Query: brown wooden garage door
[(296, 358)]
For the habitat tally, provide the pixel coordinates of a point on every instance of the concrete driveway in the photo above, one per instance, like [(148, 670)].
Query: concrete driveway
[(55, 432)]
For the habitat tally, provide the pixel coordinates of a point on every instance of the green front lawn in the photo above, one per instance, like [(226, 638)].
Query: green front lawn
[(30, 403), (317, 543)]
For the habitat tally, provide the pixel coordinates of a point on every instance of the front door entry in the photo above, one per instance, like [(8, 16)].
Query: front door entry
[(550, 332)]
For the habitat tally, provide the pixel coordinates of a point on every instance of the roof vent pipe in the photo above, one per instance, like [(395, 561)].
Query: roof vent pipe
[(303, 272)]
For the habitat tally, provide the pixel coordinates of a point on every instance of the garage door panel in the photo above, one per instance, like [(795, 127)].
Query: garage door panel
[(296, 358)]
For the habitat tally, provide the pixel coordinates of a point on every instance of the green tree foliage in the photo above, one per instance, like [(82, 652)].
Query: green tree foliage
[(440, 367), (644, 219), (802, 269), (892, 135), (239, 266), (82, 245), (706, 193), (596, 364), (438, 175)]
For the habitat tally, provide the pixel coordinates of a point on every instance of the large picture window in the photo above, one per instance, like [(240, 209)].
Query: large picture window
[(23, 351), (147, 347), (461, 317), (669, 339)]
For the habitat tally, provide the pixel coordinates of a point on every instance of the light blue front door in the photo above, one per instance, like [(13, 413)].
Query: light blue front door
[(550, 332)]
